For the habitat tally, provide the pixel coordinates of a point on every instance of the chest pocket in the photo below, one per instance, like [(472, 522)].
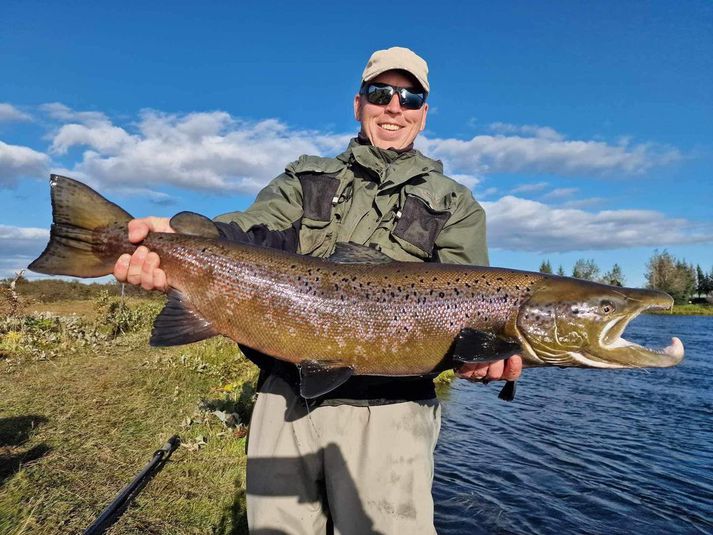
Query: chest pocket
[(318, 193), (419, 226)]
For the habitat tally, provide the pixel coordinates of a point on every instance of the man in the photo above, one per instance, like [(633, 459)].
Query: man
[(360, 458)]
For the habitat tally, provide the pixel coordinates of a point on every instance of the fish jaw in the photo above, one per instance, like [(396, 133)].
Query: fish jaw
[(568, 322)]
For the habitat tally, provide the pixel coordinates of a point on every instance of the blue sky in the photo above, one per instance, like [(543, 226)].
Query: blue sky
[(585, 129)]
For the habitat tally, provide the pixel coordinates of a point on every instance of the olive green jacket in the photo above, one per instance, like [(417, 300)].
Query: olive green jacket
[(399, 203)]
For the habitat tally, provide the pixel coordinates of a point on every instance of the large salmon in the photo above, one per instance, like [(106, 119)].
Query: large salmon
[(357, 312)]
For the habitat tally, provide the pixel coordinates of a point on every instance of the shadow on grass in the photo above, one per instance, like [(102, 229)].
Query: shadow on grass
[(234, 520), (15, 431)]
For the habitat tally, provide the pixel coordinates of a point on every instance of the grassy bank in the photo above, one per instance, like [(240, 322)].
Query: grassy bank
[(687, 310), (84, 402)]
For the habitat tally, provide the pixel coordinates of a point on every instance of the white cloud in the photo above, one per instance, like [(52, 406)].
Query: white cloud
[(217, 152), (19, 246), (583, 203), (529, 188), (487, 192), (105, 138), (17, 161), (485, 154), (9, 113), (469, 181), (209, 150), (60, 112), (560, 193), (544, 132), (524, 225)]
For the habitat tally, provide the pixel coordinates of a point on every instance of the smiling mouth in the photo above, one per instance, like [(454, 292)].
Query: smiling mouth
[(390, 127)]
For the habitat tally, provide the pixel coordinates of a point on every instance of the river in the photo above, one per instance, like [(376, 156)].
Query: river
[(585, 451)]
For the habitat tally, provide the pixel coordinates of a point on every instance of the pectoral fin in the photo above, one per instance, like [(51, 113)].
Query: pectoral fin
[(473, 346), (179, 323), (317, 378)]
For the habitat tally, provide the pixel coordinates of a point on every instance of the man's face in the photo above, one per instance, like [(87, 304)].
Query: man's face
[(390, 126)]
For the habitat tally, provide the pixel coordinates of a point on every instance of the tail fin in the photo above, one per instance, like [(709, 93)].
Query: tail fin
[(75, 247)]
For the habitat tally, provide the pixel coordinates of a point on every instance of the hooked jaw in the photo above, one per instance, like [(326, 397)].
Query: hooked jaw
[(581, 324), (613, 351)]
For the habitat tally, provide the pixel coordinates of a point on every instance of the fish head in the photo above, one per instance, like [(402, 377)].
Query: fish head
[(571, 322)]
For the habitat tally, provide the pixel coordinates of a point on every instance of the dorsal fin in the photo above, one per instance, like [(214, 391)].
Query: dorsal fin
[(353, 253), (194, 224), (179, 323)]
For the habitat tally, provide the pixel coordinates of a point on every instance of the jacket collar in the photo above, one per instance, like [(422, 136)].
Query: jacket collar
[(405, 164)]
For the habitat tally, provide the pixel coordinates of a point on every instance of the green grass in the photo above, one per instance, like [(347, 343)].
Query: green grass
[(78, 424)]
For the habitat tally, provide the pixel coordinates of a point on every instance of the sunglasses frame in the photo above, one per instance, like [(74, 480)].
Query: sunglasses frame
[(395, 90)]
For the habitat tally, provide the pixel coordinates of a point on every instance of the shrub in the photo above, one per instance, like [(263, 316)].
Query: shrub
[(116, 317)]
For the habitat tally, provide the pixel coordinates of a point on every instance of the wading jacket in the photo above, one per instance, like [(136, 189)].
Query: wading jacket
[(399, 203)]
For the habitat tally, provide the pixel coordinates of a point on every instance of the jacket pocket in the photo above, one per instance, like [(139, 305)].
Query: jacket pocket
[(419, 225), (314, 235), (318, 191)]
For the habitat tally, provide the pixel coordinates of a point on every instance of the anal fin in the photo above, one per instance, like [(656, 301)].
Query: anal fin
[(179, 323), (317, 378)]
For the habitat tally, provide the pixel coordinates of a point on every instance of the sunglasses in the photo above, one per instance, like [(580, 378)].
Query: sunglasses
[(382, 94)]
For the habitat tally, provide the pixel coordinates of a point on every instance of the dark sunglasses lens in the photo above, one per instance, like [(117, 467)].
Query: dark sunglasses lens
[(379, 94), (411, 101)]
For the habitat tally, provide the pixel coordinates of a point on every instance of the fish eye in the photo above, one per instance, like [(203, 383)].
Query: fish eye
[(607, 307)]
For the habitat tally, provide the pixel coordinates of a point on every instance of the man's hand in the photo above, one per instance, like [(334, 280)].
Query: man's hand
[(142, 267), (500, 370)]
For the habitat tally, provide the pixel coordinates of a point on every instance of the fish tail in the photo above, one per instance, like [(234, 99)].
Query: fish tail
[(88, 232)]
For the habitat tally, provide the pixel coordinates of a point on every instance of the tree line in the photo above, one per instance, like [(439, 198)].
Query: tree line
[(664, 272)]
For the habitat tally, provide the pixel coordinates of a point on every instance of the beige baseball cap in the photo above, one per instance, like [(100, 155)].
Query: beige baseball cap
[(397, 58)]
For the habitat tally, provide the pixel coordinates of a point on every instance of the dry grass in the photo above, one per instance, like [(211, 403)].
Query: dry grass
[(76, 427)]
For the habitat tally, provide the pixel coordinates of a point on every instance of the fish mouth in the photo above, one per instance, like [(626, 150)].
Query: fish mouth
[(612, 350)]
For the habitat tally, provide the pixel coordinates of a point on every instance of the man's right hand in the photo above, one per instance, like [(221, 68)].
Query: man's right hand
[(142, 267)]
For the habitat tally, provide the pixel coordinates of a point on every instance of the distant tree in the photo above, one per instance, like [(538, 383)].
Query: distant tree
[(560, 271), (546, 267), (700, 280), (688, 274), (664, 272), (615, 276), (704, 282), (585, 269)]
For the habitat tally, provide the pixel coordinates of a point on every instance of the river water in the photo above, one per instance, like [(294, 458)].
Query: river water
[(585, 451)]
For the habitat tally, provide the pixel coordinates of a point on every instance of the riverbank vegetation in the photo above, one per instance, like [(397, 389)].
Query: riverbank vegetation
[(686, 283), (85, 402)]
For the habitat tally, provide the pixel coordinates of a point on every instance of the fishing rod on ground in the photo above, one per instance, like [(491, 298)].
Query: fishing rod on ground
[(117, 507)]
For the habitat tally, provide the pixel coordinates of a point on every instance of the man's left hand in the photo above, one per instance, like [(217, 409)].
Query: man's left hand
[(500, 370)]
